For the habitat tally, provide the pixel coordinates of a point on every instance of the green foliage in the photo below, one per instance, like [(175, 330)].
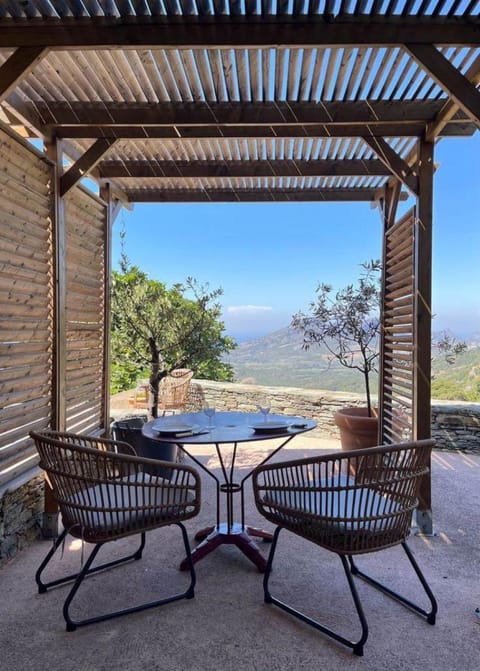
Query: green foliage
[(347, 323), (457, 379), (159, 329)]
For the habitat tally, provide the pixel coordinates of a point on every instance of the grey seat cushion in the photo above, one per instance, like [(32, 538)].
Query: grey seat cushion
[(344, 510), (126, 504)]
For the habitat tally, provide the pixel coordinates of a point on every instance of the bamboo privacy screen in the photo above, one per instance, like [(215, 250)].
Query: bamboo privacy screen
[(85, 304), (26, 297), (398, 335)]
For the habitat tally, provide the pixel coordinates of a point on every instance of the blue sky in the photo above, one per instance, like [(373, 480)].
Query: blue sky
[(269, 257)]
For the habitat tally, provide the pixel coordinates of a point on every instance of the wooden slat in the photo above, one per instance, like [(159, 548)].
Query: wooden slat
[(22, 463), (13, 423)]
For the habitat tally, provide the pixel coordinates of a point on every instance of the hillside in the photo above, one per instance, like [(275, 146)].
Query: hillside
[(278, 359)]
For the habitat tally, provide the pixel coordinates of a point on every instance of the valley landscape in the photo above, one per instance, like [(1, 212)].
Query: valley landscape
[(279, 359)]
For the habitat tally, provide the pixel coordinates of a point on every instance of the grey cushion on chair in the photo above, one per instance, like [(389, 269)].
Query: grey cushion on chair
[(339, 510), (130, 506)]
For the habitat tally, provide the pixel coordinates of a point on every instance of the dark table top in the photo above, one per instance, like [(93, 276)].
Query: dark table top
[(229, 427)]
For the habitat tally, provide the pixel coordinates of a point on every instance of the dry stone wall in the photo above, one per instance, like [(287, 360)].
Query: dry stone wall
[(21, 512), (454, 425)]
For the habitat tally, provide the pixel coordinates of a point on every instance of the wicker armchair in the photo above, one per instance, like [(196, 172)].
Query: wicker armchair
[(349, 503), (104, 492), (173, 390)]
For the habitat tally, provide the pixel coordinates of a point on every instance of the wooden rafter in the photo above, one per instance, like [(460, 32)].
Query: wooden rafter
[(248, 195), (188, 132), (451, 108), (249, 168), (234, 31), (84, 165), (17, 66), (394, 162), (57, 114), (463, 91)]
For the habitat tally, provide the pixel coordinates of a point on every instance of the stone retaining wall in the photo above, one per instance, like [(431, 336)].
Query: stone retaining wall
[(21, 512), (454, 425)]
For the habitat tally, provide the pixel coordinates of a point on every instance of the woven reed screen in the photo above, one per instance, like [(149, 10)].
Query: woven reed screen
[(26, 295), (398, 335), (85, 303)]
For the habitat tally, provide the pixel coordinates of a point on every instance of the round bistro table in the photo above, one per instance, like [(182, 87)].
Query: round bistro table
[(232, 429)]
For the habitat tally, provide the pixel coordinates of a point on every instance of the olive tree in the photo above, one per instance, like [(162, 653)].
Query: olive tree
[(347, 323), (160, 329)]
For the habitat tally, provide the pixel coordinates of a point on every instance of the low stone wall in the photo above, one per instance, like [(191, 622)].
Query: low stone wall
[(21, 512), (455, 426), (317, 405)]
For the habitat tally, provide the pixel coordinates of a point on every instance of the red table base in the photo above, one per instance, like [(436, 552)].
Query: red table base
[(212, 537)]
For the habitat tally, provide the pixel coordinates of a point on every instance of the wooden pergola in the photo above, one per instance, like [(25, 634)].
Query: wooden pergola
[(212, 101)]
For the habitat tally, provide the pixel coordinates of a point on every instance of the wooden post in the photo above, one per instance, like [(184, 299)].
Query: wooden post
[(106, 195), (53, 150), (423, 326)]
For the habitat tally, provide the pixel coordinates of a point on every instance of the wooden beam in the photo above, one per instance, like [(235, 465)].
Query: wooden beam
[(451, 80), (18, 66), (237, 31), (54, 152), (84, 165), (450, 108), (189, 132), (56, 114), (247, 195), (247, 168), (106, 195), (423, 325), (394, 162)]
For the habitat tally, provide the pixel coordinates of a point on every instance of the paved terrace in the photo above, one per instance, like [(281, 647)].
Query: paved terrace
[(227, 625)]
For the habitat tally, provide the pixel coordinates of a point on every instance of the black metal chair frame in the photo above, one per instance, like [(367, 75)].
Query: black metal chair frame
[(366, 471), (76, 445)]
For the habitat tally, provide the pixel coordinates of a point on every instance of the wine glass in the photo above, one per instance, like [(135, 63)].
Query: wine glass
[(264, 408), (210, 412)]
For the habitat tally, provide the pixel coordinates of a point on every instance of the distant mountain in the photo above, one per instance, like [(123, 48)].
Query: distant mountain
[(279, 359)]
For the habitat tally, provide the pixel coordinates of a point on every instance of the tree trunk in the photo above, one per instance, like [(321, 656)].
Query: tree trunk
[(154, 377), (367, 389)]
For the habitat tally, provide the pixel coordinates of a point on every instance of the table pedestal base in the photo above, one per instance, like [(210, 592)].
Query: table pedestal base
[(236, 535)]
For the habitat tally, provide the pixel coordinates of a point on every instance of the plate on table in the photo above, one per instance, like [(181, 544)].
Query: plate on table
[(269, 425), (175, 428)]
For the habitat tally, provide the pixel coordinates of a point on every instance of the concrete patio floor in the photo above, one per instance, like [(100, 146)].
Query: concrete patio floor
[(227, 625)]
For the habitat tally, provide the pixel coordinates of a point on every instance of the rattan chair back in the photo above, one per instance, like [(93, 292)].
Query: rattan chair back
[(349, 502), (104, 493)]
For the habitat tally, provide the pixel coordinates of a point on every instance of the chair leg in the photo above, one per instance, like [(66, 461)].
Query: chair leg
[(42, 587), (357, 646), (430, 616), (86, 570)]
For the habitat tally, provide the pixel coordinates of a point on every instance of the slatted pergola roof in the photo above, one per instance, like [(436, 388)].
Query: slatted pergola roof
[(218, 100)]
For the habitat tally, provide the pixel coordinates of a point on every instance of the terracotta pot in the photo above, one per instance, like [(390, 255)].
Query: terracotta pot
[(357, 429)]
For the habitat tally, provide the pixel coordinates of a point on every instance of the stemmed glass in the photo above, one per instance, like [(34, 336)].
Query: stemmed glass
[(210, 412), (264, 408)]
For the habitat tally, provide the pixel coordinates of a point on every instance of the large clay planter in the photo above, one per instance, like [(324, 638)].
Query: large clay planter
[(357, 429)]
